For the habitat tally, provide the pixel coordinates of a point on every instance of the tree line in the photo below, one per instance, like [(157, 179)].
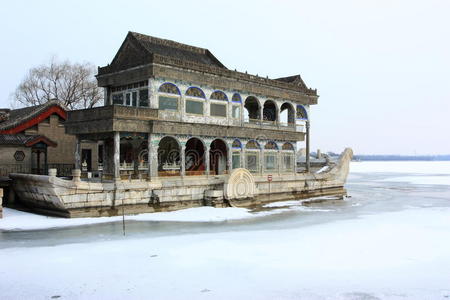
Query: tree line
[(72, 84)]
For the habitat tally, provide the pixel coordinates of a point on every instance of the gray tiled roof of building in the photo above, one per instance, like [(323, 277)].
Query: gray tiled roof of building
[(16, 116), (176, 50)]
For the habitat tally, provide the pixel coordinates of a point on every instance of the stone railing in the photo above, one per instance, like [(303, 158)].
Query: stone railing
[(111, 112)]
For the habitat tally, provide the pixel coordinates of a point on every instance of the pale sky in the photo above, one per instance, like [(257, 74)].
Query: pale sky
[(382, 68)]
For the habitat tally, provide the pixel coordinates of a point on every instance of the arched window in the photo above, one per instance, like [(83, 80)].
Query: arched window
[(271, 146), (236, 108), (253, 109), (236, 98), (195, 92), (252, 145), (236, 148), (170, 98), (287, 146), (218, 109), (287, 157), (169, 88), (270, 112), (252, 156), (287, 114), (218, 157), (270, 156), (195, 106), (218, 95), (236, 144), (169, 157), (301, 113)]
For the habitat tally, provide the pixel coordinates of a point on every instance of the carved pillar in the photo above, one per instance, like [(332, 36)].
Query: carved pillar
[(207, 154), (261, 160), (116, 160), (229, 159), (295, 157), (183, 160), (77, 153), (149, 156), (153, 148), (279, 161)]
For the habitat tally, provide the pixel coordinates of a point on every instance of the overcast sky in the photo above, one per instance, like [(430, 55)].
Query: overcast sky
[(382, 68)]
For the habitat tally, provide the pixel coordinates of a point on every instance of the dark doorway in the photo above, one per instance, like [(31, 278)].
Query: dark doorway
[(195, 157), (218, 157)]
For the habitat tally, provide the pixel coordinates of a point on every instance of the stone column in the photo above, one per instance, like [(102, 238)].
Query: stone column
[(149, 156), (208, 148), (295, 158), (116, 160), (229, 159), (183, 160), (242, 153), (261, 160), (78, 153), (152, 157), (279, 160), (104, 157)]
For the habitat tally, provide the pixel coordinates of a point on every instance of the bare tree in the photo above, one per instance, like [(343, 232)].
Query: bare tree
[(73, 85)]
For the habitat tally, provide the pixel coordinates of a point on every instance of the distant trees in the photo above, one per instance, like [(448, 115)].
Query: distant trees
[(72, 84)]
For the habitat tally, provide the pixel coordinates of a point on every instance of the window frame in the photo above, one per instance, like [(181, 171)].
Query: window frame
[(194, 99)]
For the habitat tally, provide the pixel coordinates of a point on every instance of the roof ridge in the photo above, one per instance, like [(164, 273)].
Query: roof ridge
[(169, 43)]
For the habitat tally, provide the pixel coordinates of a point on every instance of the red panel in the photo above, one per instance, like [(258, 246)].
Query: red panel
[(38, 119)]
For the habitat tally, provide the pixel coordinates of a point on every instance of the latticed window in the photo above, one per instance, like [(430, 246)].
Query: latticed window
[(219, 95), (236, 147), (270, 161), (218, 110), (194, 107), (195, 92), (288, 161), (252, 161), (169, 88), (168, 103), (236, 159), (252, 156)]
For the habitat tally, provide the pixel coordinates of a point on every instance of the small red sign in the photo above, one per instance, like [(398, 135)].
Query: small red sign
[(269, 178)]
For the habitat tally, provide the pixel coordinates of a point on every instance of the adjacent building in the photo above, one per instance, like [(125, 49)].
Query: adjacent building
[(33, 139)]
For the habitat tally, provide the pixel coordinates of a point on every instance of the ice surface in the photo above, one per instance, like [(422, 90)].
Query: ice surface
[(439, 180), (18, 220), (409, 167), (398, 255)]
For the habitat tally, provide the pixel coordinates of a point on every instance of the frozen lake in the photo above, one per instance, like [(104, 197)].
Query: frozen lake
[(389, 240)]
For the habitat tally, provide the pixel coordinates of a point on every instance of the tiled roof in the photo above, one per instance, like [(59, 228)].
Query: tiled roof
[(295, 79), (17, 116), (24, 140), (176, 50)]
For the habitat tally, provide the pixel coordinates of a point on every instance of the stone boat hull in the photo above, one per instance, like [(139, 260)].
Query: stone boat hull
[(77, 198)]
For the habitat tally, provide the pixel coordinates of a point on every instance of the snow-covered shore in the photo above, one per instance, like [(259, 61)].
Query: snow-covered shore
[(397, 255)]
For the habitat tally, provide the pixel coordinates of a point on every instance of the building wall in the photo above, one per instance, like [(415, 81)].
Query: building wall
[(8, 164), (64, 152)]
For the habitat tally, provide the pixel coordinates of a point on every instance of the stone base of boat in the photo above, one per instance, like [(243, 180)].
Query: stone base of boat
[(76, 198)]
